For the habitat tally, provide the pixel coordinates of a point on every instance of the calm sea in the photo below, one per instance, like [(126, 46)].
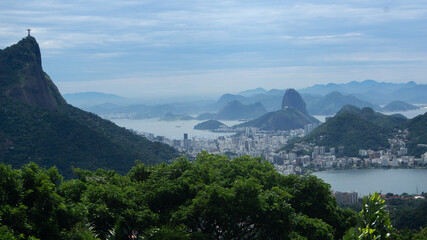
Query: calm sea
[(365, 181)]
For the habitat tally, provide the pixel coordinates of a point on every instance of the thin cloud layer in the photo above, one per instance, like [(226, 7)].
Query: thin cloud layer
[(88, 44)]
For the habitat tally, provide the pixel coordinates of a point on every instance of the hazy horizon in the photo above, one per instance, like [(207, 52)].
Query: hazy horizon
[(147, 49)]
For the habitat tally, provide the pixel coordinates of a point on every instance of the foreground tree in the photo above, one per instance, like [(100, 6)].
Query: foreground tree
[(211, 198), (373, 220)]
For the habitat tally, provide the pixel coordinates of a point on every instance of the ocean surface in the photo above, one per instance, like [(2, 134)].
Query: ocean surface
[(365, 181), (171, 129)]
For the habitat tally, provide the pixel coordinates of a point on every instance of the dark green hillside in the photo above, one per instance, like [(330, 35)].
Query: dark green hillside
[(36, 124), (417, 128), (69, 137), (284, 119), (350, 131), (209, 125)]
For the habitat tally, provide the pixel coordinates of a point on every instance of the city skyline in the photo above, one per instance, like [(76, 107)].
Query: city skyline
[(146, 49)]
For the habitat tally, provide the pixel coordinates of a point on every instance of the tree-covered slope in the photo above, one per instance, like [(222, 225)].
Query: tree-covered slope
[(417, 128), (69, 137), (36, 124), (350, 131)]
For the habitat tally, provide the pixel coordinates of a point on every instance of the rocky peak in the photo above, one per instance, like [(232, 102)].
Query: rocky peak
[(293, 99), (22, 76)]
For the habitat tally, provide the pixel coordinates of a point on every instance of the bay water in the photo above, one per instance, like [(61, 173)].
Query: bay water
[(366, 181)]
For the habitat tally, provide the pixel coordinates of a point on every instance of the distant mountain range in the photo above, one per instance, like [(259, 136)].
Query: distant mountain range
[(374, 92), (320, 100), (37, 124), (417, 139), (334, 101)]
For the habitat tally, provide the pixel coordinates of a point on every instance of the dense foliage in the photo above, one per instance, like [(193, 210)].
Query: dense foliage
[(374, 221), (36, 124), (351, 131), (68, 137), (417, 134), (408, 213), (212, 198)]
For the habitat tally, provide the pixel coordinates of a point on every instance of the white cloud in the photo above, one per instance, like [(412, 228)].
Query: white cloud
[(249, 42)]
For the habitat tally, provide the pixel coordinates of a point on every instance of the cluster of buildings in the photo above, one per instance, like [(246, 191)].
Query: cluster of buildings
[(248, 142), (304, 157)]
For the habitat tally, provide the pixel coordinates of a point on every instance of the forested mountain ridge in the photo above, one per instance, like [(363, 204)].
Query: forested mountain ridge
[(36, 124), (352, 132), (356, 128)]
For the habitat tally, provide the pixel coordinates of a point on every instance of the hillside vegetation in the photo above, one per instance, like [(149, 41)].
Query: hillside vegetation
[(417, 140), (68, 137), (350, 131), (36, 124)]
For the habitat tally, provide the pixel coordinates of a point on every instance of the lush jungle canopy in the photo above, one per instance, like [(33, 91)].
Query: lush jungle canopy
[(211, 198)]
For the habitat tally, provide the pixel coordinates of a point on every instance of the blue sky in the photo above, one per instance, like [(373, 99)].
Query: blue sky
[(151, 49)]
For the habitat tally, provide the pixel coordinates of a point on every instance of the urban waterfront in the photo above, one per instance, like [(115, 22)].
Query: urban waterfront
[(396, 180), (365, 181)]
